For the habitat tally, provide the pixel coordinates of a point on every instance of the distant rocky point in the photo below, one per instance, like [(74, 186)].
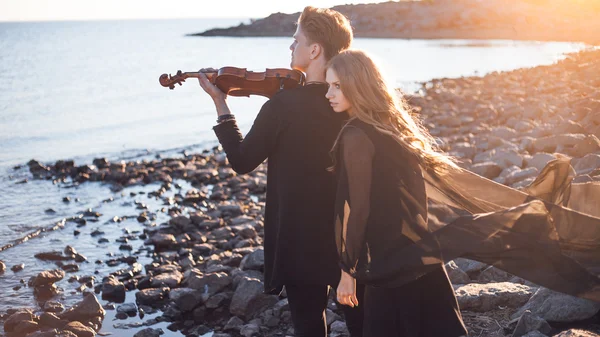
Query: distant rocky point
[(544, 20)]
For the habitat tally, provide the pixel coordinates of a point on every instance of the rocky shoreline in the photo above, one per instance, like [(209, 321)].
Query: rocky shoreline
[(549, 20), (205, 272)]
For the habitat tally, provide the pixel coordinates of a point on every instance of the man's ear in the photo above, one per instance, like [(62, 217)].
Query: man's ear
[(315, 51)]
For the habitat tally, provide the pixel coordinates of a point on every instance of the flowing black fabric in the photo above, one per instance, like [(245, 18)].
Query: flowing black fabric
[(548, 233)]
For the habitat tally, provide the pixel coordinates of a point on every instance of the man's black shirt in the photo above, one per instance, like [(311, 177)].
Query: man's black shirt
[(295, 130)]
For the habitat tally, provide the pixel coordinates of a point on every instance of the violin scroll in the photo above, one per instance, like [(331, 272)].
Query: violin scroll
[(170, 81)]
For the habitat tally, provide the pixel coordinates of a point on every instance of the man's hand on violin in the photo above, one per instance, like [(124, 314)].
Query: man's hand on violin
[(208, 87)]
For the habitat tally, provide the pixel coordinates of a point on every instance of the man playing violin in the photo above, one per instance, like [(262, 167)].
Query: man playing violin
[(296, 130)]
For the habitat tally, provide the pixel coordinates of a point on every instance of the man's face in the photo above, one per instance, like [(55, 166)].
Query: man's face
[(301, 50)]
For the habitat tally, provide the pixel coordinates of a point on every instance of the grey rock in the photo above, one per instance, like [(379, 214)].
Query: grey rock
[(249, 298), (339, 328), (471, 267), (493, 274), (587, 164), (250, 330), (558, 307), (484, 297), (520, 175), (210, 283), (488, 169), (234, 324), (534, 333), (217, 300), (456, 275), (254, 260), (130, 309), (186, 299), (331, 317), (540, 160), (529, 322)]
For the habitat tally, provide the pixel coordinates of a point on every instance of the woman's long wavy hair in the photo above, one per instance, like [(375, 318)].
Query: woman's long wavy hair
[(374, 102)]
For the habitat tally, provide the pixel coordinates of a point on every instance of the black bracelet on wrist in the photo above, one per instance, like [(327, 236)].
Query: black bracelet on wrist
[(224, 118)]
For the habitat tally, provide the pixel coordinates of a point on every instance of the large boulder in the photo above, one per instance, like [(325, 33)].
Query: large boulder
[(485, 297), (558, 307)]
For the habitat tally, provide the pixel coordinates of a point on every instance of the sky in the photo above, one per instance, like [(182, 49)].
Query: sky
[(51, 10)]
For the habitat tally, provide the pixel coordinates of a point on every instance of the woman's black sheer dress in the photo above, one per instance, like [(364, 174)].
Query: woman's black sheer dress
[(396, 223), (381, 201)]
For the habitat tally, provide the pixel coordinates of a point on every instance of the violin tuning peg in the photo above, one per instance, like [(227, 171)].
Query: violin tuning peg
[(171, 87)]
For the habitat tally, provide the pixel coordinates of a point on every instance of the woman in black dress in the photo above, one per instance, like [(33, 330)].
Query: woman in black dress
[(381, 200)]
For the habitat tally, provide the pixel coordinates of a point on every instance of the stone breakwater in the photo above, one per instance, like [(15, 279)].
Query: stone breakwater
[(450, 19), (207, 260)]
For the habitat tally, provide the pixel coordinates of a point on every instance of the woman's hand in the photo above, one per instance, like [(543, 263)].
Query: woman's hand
[(346, 290)]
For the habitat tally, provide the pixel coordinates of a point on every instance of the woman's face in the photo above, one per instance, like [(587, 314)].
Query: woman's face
[(334, 94)]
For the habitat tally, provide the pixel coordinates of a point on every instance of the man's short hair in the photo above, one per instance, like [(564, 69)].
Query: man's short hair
[(327, 27)]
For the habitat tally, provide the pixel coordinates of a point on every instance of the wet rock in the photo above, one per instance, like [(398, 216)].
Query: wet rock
[(49, 333), (87, 309), (25, 327), (46, 278), (186, 299), (53, 256), (485, 297), (17, 268), (52, 321), (52, 306), (13, 320), (529, 322), (161, 240), (557, 307), (2, 267), (151, 296), (129, 309), (149, 332), (79, 329), (113, 290), (45, 292)]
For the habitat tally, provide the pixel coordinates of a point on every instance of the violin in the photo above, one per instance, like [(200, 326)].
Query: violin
[(241, 82)]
